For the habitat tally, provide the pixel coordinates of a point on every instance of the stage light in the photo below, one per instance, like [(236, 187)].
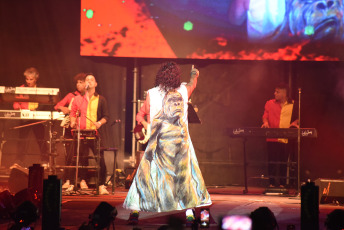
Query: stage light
[(25, 214), (89, 14), (309, 30), (101, 218), (188, 26)]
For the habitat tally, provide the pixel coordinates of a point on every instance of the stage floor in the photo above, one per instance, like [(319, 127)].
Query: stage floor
[(226, 201)]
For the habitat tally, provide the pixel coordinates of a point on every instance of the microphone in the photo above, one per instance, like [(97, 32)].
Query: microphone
[(115, 122), (87, 86)]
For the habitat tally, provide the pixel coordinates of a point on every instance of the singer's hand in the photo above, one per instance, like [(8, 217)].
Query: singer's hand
[(97, 124), (194, 72)]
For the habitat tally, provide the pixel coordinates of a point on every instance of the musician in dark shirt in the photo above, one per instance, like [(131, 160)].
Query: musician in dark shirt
[(279, 112), (65, 106), (31, 77)]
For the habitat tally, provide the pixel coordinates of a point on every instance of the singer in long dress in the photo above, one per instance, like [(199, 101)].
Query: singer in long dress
[(168, 177)]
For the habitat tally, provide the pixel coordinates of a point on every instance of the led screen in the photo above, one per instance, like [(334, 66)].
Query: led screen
[(213, 29)]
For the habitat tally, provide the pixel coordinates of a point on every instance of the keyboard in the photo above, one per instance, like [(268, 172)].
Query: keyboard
[(31, 115), (29, 94), (272, 132)]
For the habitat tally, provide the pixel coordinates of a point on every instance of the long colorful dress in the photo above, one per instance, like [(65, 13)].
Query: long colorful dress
[(168, 177)]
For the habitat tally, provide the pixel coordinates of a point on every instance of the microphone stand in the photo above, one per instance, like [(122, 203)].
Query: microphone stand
[(77, 152), (299, 146), (78, 145)]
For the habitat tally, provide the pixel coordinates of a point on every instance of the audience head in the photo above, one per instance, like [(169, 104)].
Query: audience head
[(263, 219), (335, 220)]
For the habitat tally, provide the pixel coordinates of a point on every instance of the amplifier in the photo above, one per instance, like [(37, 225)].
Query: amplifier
[(330, 190)]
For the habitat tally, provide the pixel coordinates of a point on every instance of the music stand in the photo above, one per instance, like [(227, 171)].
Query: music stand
[(192, 115)]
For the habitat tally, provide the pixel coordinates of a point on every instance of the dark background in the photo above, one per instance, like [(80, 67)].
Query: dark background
[(45, 34)]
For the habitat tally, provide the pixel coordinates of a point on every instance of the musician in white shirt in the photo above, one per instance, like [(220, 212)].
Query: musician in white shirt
[(31, 77)]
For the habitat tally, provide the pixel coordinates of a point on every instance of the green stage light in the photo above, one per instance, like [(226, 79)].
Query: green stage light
[(89, 14), (188, 26), (309, 30)]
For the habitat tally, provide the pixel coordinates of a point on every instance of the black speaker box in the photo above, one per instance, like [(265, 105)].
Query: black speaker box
[(309, 206), (18, 179), (52, 198), (330, 191)]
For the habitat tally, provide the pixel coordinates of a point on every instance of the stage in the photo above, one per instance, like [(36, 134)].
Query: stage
[(227, 200)]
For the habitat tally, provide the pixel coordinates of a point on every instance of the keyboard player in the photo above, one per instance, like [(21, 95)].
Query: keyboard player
[(31, 77), (280, 112)]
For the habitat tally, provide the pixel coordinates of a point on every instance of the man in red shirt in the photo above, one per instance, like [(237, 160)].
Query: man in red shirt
[(65, 106), (279, 113), (90, 111)]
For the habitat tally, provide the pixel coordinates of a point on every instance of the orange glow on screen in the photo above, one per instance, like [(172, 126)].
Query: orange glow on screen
[(128, 34)]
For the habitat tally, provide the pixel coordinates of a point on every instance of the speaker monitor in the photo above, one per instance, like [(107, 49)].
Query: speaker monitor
[(330, 190), (18, 179), (52, 197)]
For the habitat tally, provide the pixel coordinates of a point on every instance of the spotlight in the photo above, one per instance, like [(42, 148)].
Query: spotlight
[(25, 214), (103, 216)]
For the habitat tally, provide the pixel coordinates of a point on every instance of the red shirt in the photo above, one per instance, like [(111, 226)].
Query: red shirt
[(25, 105), (278, 116), (144, 111), (66, 100), (89, 111)]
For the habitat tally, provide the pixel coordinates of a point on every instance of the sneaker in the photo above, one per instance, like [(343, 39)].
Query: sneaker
[(70, 188), (133, 218), (103, 190), (190, 218), (66, 184), (83, 184)]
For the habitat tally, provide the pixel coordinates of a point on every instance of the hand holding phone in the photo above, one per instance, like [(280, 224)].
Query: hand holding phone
[(204, 222), (236, 222)]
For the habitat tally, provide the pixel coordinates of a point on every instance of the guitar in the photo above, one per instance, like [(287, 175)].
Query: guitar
[(138, 132), (141, 134)]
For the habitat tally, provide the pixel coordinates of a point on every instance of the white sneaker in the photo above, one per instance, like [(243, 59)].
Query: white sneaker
[(66, 184), (83, 184), (70, 188), (103, 190)]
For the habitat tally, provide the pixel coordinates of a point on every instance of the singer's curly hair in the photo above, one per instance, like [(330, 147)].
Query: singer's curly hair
[(168, 76)]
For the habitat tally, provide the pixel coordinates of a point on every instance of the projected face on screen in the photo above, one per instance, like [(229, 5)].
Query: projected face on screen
[(217, 29), (319, 20), (270, 21)]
